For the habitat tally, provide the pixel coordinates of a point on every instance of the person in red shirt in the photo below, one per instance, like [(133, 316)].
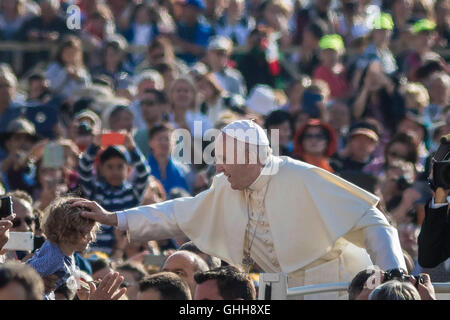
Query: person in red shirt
[(331, 70)]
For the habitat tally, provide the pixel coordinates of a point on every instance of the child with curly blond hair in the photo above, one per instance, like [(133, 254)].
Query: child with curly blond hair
[(67, 232)]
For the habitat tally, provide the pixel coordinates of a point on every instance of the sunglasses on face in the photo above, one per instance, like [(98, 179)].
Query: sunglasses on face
[(18, 222), (315, 136), (397, 155)]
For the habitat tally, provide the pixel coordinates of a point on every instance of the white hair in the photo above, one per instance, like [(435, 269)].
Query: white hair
[(152, 75)]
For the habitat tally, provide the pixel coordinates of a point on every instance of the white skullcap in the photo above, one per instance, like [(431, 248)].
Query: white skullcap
[(246, 131)]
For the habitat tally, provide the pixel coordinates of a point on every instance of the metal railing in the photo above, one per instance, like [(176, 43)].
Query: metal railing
[(273, 286)]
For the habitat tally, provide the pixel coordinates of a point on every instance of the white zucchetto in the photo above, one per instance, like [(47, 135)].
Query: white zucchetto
[(247, 131)]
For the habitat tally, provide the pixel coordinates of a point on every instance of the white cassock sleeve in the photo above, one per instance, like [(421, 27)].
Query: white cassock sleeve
[(381, 241), (147, 223)]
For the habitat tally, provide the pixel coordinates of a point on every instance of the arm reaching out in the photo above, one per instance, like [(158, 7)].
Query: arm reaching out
[(153, 222), (95, 211)]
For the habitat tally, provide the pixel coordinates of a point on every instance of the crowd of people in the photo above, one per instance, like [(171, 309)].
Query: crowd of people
[(358, 88)]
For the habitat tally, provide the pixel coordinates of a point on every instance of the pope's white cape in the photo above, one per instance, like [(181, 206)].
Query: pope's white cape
[(307, 208)]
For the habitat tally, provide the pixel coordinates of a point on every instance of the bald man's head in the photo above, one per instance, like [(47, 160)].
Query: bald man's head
[(185, 264)]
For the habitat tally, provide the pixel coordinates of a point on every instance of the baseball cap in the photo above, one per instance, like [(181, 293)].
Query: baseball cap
[(220, 43), (332, 41), (18, 126), (423, 25), (21, 125), (383, 22)]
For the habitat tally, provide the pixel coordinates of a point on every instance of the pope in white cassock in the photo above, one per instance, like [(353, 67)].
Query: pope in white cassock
[(282, 214)]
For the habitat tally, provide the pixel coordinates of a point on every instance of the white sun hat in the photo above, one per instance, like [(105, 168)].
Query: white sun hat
[(262, 100)]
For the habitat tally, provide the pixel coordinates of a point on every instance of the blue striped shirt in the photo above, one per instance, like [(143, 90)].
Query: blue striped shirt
[(112, 198)]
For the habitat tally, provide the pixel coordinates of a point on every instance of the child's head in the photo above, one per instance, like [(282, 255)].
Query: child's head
[(64, 225), (159, 140), (416, 97), (332, 48), (121, 118), (114, 165)]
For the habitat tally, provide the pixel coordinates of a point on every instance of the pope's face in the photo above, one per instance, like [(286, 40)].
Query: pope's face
[(235, 163)]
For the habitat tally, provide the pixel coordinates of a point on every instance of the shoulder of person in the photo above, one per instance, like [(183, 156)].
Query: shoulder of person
[(232, 72), (219, 181), (47, 259), (54, 66)]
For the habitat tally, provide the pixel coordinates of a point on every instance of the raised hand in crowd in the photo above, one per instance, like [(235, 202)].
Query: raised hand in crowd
[(5, 225), (108, 288), (409, 197), (129, 141), (425, 288)]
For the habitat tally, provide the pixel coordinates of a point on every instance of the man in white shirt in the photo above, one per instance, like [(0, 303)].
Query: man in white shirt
[(217, 57), (278, 213)]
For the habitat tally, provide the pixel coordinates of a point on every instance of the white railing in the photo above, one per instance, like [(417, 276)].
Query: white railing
[(273, 286)]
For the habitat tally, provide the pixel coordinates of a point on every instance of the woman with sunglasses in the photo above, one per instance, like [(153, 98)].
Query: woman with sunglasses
[(400, 147), (24, 220), (315, 142)]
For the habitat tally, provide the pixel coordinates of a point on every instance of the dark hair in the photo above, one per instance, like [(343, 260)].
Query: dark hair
[(164, 67), (357, 283), (112, 152), (212, 262), (103, 80), (160, 95), (24, 275), (407, 140), (317, 29), (169, 285), (154, 17), (99, 264), (69, 294), (82, 104), (36, 76), (166, 45), (137, 271), (232, 282), (277, 117), (160, 127), (118, 109), (69, 41)]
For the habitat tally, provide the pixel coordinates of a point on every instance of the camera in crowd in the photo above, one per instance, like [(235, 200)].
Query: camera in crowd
[(84, 128), (441, 165), (399, 275)]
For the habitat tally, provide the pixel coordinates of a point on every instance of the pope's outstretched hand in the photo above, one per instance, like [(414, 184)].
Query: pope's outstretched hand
[(92, 210)]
